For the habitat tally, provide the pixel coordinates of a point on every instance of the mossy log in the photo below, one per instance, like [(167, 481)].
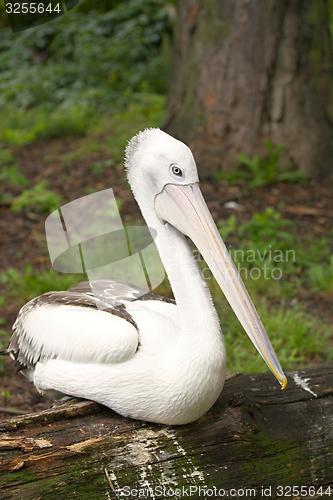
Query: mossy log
[(255, 435)]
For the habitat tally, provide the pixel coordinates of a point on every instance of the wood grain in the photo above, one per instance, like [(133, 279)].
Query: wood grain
[(255, 435)]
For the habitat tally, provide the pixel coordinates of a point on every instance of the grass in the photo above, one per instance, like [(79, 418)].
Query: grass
[(320, 276), (23, 286), (147, 111), (10, 176), (277, 264), (38, 199), (5, 394), (296, 336), (10, 173), (263, 170), (98, 167), (106, 133), (265, 226), (267, 241), (20, 127)]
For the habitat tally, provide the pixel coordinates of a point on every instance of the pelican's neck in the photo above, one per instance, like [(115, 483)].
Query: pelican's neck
[(197, 314)]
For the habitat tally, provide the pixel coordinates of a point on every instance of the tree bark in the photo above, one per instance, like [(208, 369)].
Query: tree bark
[(251, 71), (255, 436)]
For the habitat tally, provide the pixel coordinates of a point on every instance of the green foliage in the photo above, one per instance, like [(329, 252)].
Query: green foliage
[(6, 158), (9, 171), (148, 109), (98, 167), (314, 261), (109, 134), (321, 276), (231, 176), (72, 75), (38, 199), (88, 55), (261, 171), (66, 121), (267, 227), (5, 394), (265, 254), (23, 286), (268, 168), (268, 244), (296, 336), (10, 176), (311, 250), (20, 127), (228, 227)]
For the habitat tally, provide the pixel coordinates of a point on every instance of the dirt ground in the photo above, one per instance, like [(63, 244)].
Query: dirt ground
[(23, 240)]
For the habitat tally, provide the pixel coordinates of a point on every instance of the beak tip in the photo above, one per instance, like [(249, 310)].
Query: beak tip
[(284, 383)]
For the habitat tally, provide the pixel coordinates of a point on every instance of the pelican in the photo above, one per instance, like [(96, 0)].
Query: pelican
[(144, 356)]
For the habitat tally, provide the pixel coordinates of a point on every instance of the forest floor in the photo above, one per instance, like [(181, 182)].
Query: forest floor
[(305, 209)]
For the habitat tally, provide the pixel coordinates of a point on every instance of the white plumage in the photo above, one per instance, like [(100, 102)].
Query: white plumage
[(142, 356)]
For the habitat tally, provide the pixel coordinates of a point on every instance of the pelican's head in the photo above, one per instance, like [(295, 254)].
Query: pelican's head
[(164, 179), (153, 160)]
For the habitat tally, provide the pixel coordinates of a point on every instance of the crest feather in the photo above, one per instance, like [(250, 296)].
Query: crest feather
[(137, 141)]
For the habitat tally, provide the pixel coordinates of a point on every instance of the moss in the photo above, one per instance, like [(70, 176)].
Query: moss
[(77, 482), (17, 478), (274, 460)]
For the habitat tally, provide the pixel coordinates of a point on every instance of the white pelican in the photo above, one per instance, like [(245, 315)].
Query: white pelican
[(146, 358)]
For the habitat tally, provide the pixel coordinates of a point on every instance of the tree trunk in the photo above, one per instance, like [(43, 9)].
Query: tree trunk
[(251, 71), (255, 436)]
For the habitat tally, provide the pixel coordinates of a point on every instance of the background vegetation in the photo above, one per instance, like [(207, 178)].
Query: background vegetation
[(72, 92)]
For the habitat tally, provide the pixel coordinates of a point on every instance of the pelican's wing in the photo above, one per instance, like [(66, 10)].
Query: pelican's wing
[(74, 326), (108, 290), (114, 291)]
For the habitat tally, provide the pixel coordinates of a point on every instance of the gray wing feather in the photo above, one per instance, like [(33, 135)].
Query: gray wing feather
[(20, 347), (109, 290), (107, 295)]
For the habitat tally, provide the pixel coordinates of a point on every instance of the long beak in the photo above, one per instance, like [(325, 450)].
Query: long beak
[(184, 207)]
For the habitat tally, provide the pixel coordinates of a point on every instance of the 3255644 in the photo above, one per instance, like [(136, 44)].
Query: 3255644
[(32, 8)]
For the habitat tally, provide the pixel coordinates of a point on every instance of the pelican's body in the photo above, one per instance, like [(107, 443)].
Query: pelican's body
[(144, 357)]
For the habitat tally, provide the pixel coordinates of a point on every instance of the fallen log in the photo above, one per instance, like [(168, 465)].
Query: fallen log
[(256, 436)]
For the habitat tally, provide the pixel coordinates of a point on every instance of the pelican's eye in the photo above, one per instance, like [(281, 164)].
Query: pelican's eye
[(176, 170)]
